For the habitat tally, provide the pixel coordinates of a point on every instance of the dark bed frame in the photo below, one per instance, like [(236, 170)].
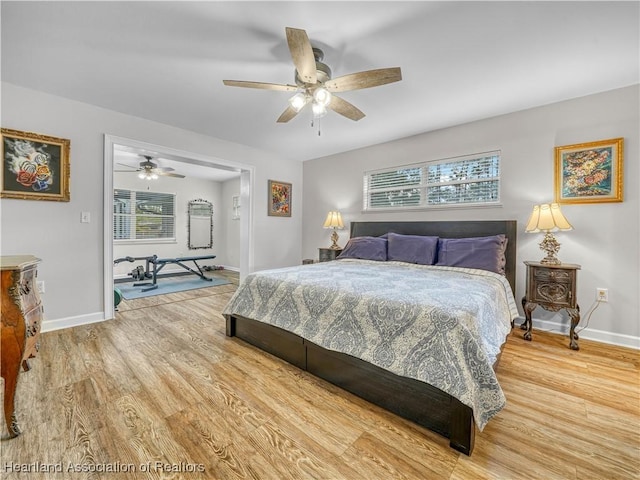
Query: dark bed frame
[(421, 403)]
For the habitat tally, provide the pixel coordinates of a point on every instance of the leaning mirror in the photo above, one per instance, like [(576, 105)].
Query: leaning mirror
[(200, 224)]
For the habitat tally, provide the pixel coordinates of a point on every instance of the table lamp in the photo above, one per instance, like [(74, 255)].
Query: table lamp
[(334, 220), (548, 218)]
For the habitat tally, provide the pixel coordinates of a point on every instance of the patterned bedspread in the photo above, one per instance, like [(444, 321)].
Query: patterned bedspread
[(440, 325)]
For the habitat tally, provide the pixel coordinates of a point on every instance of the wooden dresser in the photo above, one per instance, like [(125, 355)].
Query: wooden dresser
[(21, 319)]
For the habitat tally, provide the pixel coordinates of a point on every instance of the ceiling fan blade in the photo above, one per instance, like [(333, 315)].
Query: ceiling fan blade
[(345, 108), (128, 166), (163, 169), (167, 174), (302, 54), (287, 115), (368, 79), (126, 171), (260, 85)]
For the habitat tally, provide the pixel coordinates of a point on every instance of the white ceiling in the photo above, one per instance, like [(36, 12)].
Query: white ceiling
[(461, 61)]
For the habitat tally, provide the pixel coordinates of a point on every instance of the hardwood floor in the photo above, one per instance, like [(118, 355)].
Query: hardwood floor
[(162, 386)]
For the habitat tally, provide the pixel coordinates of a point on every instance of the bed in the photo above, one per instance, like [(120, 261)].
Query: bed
[(445, 389)]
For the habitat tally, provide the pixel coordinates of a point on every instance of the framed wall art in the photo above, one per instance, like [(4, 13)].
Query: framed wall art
[(589, 172), (279, 201), (34, 166)]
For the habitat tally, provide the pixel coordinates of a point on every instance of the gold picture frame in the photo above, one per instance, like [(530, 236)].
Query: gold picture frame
[(279, 201), (589, 172), (34, 166)]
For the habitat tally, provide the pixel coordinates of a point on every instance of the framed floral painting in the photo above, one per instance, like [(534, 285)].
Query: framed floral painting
[(34, 166), (589, 172), (279, 201)]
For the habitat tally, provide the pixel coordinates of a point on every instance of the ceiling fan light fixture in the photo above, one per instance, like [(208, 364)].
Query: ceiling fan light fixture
[(148, 176), (322, 96), (319, 110), (298, 101)]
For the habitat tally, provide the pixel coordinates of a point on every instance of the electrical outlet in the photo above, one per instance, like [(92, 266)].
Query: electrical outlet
[(40, 286), (602, 294)]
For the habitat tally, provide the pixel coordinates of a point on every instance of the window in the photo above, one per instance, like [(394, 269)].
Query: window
[(143, 215), (469, 180)]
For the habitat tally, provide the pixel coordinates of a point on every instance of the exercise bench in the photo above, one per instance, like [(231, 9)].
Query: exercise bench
[(154, 265)]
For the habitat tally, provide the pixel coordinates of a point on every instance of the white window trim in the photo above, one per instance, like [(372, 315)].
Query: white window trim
[(424, 185)]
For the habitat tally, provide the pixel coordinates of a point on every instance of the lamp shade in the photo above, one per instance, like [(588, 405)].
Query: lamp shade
[(547, 217), (334, 220)]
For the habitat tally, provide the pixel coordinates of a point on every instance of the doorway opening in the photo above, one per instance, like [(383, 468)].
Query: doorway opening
[(160, 174)]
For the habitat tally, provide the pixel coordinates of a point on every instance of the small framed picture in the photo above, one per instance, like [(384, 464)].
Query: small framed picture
[(34, 166), (279, 201), (589, 172)]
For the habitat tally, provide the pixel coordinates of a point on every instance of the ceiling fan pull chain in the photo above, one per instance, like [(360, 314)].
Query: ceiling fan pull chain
[(312, 123)]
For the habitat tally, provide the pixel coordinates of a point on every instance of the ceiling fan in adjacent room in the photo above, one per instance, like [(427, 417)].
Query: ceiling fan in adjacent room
[(149, 170), (314, 85)]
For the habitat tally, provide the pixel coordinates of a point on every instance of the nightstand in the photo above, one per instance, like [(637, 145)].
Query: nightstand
[(553, 287), (328, 254)]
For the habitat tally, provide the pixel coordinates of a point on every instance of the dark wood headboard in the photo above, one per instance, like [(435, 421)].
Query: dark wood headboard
[(460, 229)]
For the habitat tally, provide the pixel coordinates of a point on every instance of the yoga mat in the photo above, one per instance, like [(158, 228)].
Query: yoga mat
[(168, 285)]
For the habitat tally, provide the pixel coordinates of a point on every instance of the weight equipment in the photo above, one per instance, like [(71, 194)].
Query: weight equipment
[(155, 264), (138, 273)]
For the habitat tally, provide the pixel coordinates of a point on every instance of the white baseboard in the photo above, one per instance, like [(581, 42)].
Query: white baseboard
[(68, 322), (588, 333)]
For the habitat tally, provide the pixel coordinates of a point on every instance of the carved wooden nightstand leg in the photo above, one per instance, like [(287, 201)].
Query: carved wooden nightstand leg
[(523, 326), (528, 308), (574, 313)]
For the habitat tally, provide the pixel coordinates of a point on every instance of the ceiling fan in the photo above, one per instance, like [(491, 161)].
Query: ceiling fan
[(149, 170), (314, 84)]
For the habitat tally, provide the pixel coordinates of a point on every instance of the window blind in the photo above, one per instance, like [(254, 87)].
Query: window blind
[(468, 180), (143, 215)]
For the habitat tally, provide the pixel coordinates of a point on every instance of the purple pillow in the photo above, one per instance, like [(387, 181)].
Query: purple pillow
[(366, 248), (412, 248), (485, 253)]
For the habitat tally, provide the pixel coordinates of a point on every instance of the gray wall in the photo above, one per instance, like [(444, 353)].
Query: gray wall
[(72, 252), (605, 237)]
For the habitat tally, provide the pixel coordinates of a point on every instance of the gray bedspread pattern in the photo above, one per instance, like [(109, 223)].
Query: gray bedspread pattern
[(440, 325)]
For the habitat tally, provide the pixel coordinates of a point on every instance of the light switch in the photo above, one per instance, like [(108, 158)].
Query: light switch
[(85, 217)]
